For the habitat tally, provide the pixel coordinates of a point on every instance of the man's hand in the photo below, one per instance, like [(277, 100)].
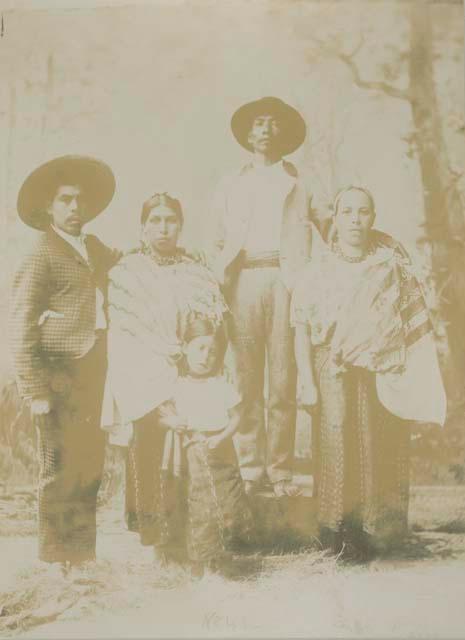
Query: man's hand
[(308, 396), (40, 410), (41, 406)]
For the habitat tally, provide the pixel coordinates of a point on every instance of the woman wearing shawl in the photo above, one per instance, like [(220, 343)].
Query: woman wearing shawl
[(153, 294), (367, 362)]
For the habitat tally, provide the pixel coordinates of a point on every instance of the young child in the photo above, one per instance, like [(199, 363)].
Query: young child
[(205, 409)]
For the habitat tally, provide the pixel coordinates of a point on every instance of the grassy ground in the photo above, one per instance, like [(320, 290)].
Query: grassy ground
[(419, 592)]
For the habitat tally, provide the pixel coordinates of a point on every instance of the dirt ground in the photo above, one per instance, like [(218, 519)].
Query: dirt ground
[(420, 592)]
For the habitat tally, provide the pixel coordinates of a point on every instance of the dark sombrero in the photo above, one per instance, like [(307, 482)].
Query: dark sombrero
[(292, 125), (94, 177)]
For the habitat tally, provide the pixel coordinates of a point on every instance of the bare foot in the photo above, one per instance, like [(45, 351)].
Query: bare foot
[(286, 488)]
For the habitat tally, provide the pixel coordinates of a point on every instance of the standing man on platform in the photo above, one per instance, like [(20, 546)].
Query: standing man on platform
[(58, 338), (263, 235)]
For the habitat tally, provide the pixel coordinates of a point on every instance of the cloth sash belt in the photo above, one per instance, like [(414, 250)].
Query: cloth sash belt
[(175, 441), (259, 260)]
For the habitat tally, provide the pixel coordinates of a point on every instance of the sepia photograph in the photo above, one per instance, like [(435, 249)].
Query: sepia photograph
[(232, 319)]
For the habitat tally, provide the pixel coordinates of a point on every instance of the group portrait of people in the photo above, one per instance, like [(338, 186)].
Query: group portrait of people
[(316, 312)]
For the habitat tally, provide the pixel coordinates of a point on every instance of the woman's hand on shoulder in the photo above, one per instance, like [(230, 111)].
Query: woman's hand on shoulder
[(126, 258)]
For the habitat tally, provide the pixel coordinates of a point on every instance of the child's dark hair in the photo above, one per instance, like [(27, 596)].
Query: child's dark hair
[(199, 326)]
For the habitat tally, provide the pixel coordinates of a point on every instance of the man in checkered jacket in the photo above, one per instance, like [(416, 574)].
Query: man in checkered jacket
[(58, 337)]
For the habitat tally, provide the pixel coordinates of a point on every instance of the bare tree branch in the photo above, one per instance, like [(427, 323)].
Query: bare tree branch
[(349, 60), (358, 46), (384, 87)]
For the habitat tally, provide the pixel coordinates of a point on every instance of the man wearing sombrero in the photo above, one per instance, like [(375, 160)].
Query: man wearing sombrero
[(264, 234), (58, 335)]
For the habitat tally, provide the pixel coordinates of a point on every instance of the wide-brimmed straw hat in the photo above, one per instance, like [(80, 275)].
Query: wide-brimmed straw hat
[(94, 177), (292, 125)]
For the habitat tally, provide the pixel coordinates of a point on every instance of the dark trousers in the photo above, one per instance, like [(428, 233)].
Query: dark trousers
[(71, 450), (261, 334)]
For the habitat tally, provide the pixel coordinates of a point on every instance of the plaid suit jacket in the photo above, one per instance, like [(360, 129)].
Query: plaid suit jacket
[(52, 311)]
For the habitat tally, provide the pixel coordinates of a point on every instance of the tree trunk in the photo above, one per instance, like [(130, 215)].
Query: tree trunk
[(444, 214)]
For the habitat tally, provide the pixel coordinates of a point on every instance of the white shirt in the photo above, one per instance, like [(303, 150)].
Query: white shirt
[(79, 244), (205, 402), (268, 187)]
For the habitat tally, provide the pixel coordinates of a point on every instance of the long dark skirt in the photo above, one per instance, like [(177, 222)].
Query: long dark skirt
[(155, 499), (220, 520), (199, 516), (362, 454), (71, 455)]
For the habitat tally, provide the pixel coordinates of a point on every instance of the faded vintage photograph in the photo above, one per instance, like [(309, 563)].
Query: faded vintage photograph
[(232, 312)]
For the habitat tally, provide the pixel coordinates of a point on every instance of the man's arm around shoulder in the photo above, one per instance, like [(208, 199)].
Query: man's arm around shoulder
[(104, 256)]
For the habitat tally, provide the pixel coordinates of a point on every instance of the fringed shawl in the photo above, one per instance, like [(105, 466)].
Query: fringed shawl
[(372, 315), (149, 306)]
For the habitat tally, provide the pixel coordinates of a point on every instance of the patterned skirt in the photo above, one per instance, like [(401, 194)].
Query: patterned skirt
[(219, 518), (362, 456), (203, 514)]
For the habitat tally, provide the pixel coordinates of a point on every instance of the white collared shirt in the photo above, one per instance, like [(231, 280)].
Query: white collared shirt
[(268, 187), (79, 244)]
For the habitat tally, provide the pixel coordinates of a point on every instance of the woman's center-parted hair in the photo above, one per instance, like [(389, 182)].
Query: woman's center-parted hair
[(353, 187), (161, 200)]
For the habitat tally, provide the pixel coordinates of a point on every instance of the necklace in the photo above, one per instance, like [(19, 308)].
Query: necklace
[(353, 259), (163, 261)]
